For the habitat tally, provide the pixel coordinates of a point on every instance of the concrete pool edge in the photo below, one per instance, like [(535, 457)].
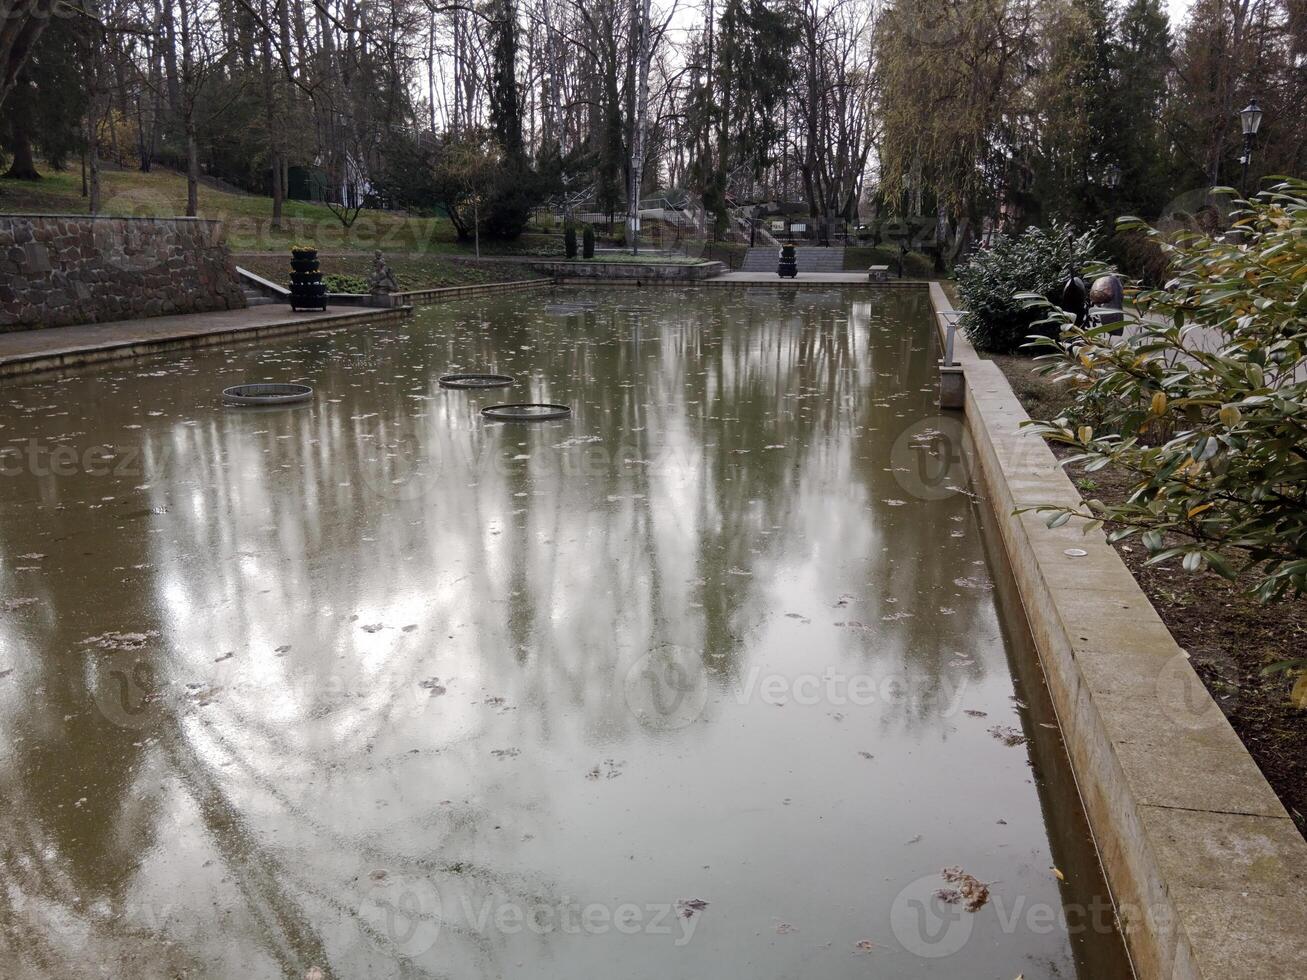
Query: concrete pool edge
[(61, 348), (1205, 865)]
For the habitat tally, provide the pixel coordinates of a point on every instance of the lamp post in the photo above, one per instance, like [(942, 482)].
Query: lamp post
[(1251, 118)]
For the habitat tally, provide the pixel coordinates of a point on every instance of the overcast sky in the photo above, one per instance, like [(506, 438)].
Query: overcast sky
[(1176, 9)]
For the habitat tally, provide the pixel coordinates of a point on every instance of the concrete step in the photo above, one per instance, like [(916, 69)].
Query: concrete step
[(255, 298), (809, 258)]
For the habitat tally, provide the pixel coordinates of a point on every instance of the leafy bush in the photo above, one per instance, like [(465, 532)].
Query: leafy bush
[(1138, 256), (589, 242), (569, 241), (1035, 261), (1218, 355)]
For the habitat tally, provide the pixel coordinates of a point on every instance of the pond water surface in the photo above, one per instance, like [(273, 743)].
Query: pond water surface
[(711, 680)]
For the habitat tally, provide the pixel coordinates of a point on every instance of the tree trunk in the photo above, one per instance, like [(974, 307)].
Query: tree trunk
[(93, 152), (23, 166), (640, 13), (192, 170)]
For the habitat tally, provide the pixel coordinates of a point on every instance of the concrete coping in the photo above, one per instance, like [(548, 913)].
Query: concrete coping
[(109, 217), (1207, 869)]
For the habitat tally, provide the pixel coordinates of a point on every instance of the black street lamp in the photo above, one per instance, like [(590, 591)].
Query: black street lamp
[(1251, 118)]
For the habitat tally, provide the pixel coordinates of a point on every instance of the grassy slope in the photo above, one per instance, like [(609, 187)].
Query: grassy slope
[(247, 217), (419, 249)]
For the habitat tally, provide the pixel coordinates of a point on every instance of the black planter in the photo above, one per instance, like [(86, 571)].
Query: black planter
[(789, 262), (307, 290)]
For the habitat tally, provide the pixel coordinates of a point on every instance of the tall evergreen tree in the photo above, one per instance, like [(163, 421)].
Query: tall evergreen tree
[(505, 102)]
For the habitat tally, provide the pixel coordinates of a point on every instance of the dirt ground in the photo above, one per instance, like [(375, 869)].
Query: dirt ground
[(1229, 635)]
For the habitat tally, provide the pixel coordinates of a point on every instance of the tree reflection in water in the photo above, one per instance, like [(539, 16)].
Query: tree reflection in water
[(382, 641)]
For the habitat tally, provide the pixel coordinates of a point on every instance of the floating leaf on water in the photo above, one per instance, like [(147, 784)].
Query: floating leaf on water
[(688, 906), (1008, 735), (971, 890)]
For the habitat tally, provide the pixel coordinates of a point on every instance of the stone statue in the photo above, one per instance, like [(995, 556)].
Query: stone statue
[(383, 281)]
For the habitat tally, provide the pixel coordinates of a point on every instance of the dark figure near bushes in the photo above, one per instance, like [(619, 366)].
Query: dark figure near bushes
[(1075, 298)]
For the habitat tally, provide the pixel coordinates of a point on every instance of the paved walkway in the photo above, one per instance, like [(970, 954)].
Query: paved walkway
[(25, 351)]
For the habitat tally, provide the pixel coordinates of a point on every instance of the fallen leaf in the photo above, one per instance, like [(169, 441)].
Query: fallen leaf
[(865, 946), (971, 890), (688, 906), (1058, 874)]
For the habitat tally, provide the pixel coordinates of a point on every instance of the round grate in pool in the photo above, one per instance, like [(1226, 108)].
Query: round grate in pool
[(526, 412), (267, 394), (476, 380)]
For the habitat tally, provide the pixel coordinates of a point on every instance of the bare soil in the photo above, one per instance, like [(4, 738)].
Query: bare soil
[(1229, 635)]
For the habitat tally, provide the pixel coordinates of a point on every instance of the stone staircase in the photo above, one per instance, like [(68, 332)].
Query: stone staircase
[(254, 297), (810, 259)]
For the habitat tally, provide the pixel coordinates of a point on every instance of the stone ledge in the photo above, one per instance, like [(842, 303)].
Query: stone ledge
[(116, 217), (441, 293), (1205, 865), (57, 358)]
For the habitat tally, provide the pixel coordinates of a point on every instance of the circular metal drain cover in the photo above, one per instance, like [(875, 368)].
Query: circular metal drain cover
[(526, 412), (476, 380), (267, 394)]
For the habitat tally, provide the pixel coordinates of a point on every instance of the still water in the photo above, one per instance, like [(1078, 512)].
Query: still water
[(711, 680)]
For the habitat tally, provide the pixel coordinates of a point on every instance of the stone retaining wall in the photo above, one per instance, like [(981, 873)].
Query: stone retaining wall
[(57, 270)]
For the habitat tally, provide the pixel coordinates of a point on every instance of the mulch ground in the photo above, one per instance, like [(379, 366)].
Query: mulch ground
[(1230, 636)]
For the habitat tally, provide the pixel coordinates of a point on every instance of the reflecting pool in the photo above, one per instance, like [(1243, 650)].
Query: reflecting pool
[(714, 679)]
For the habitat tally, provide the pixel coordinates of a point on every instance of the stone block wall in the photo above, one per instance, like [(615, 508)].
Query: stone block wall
[(57, 270)]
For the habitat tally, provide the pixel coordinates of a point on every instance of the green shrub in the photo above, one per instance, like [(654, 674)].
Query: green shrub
[(1218, 357), (589, 240), (569, 242), (1035, 261), (1138, 256)]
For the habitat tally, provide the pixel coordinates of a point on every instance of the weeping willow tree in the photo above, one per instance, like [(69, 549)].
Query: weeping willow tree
[(951, 84)]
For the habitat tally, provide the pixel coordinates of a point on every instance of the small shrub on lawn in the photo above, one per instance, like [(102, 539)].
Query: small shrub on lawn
[(1218, 356), (1034, 261), (569, 242), (589, 239)]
